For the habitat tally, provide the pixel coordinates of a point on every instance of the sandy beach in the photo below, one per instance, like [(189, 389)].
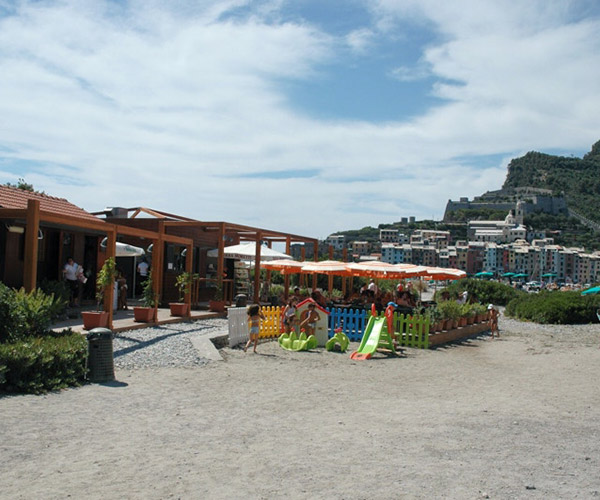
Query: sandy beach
[(517, 417)]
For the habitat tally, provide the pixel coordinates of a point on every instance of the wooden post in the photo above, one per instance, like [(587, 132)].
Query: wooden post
[(155, 276), (32, 222), (345, 259), (316, 252), (257, 268), (302, 259), (189, 260), (109, 293), (221, 257), (158, 251), (286, 277)]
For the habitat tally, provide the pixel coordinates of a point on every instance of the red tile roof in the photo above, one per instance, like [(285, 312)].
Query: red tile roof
[(11, 197)]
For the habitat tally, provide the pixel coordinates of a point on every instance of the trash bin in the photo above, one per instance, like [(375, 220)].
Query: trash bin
[(101, 367), (240, 300)]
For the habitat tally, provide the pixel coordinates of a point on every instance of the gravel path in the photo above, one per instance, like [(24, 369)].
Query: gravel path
[(163, 346)]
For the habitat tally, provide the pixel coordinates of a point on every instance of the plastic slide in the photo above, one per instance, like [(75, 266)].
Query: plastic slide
[(371, 337)]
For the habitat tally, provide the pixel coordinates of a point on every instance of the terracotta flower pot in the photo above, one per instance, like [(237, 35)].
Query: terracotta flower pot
[(143, 314), (216, 305), (94, 319), (178, 308)]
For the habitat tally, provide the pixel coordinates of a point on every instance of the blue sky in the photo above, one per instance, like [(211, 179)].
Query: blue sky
[(301, 116)]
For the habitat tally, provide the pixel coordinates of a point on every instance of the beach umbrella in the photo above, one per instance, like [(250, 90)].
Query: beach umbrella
[(329, 267), (484, 274), (284, 266), (508, 275), (383, 270), (520, 275), (124, 249), (445, 273), (247, 251), (591, 291), (549, 275)]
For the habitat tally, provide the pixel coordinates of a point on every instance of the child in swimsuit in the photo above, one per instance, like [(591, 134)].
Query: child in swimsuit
[(311, 316), (289, 316), (254, 317)]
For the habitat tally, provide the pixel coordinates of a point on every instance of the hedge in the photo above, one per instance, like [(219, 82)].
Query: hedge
[(40, 364), (555, 307), (486, 292)]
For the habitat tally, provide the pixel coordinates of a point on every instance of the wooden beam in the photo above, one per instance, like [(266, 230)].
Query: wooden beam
[(13, 213), (109, 293), (257, 269), (31, 244), (286, 279), (189, 260), (221, 256)]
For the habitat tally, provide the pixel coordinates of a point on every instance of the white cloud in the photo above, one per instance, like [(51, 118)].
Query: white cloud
[(140, 105)]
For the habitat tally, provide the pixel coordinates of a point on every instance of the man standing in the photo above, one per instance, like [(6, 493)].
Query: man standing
[(71, 273), (142, 269)]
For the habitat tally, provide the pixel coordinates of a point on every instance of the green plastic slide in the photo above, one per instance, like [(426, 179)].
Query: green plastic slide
[(292, 342), (375, 335)]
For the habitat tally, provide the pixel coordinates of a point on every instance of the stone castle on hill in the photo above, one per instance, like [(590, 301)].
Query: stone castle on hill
[(533, 200)]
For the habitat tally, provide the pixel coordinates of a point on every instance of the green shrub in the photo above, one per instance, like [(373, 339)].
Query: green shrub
[(61, 293), (559, 308), (12, 318), (449, 309), (40, 364), (25, 314), (484, 291)]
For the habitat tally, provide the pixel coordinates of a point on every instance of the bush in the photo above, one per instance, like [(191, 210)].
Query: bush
[(25, 314), (558, 308), (61, 293), (40, 364), (484, 291)]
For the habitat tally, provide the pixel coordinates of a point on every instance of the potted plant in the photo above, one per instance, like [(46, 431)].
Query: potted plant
[(450, 311), (145, 313), (184, 285), (480, 312), (104, 280), (217, 304), (468, 314)]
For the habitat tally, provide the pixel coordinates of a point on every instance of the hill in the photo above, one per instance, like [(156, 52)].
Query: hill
[(578, 179)]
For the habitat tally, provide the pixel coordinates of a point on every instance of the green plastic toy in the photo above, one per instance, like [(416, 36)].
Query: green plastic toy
[(339, 338), (292, 342)]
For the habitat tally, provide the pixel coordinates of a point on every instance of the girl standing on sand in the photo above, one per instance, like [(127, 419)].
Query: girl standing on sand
[(311, 316), (289, 315), (493, 321), (254, 317)]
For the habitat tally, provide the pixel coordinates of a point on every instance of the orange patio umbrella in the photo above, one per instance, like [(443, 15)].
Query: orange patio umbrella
[(383, 270), (284, 266), (445, 273), (329, 267)]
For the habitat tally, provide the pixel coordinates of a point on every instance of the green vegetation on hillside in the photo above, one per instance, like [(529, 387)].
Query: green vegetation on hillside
[(577, 178)]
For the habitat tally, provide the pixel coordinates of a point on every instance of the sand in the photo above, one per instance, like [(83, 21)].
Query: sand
[(517, 417)]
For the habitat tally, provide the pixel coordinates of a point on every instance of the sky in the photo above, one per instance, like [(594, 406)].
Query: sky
[(303, 116)]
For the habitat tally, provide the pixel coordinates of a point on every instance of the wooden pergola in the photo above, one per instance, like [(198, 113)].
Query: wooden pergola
[(32, 217), (169, 224)]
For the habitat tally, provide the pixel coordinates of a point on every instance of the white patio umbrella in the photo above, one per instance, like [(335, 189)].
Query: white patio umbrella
[(247, 251), (124, 249)]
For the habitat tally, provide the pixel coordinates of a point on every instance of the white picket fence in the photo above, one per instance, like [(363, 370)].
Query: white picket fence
[(237, 319)]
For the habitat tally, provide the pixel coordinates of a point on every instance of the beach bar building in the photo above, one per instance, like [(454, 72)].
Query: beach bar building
[(39, 232)]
